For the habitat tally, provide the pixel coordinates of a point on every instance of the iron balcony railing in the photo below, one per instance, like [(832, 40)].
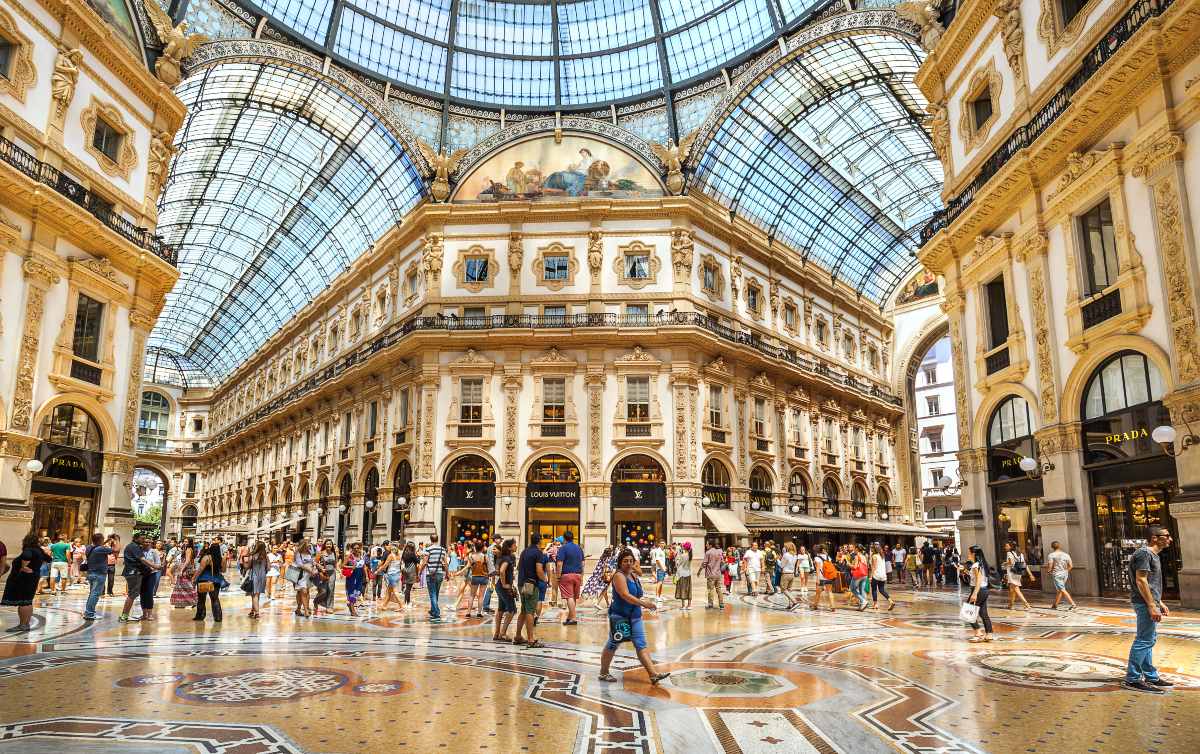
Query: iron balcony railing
[(1118, 36), (1101, 308), (51, 176), (397, 332)]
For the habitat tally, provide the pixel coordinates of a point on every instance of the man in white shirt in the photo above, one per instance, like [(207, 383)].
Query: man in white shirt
[(753, 559), (658, 560), (1060, 568), (898, 556)]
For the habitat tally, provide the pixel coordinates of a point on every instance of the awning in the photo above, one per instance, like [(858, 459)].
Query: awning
[(725, 521), (763, 521)]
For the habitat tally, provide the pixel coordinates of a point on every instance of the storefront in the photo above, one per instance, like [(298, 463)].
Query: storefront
[(722, 525), (1015, 497), (1131, 478), (760, 489), (401, 500), (639, 503), (552, 497), (63, 495), (469, 501), (370, 508), (343, 512)]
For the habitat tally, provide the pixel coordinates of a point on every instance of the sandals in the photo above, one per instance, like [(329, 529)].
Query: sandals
[(608, 678), (654, 679), (535, 644), (518, 641)]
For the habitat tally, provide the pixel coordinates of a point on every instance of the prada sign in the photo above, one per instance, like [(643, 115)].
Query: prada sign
[(469, 495), (639, 495), (552, 494), (70, 464)]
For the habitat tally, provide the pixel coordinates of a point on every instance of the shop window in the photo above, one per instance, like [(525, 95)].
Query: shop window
[(107, 139), (830, 493), (89, 319), (1099, 248), (760, 489), (72, 426), (154, 422), (1010, 421), (797, 494)]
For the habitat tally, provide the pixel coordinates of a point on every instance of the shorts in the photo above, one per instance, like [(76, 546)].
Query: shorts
[(637, 632), (59, 570), (570, 586), (508, 604), (827, 582), (133, 584), (541, 591), (661, 574), (44, 571), (785, 581), (393, 579), (1060, 579), (479, 580), (529, 598)]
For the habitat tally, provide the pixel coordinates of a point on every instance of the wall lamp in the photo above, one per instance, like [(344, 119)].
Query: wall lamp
[(33, 466), (947, 486), (1035, 469), (1165, 436)]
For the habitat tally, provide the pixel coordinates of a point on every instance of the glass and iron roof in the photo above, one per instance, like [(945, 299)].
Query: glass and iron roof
[(827, 154), (280, 182), (540, 54)]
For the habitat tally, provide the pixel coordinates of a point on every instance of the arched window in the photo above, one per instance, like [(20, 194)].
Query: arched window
[(344, 494), (470, 469), (1126, 381), (797, 493), (715, 478), (715, 474), (154, 422), (1010, 421), (402, 481), (760, 489), (831, 493), (883, 502), (553, 468), (72, 426), (370, 503), (858, 501)]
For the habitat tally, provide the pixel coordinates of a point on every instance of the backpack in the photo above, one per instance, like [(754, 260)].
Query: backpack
[(1018, 566), (478, 566), (770, 558), (828, 569)]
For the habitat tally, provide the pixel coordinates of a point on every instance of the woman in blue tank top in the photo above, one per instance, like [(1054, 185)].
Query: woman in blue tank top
[(625, 619)]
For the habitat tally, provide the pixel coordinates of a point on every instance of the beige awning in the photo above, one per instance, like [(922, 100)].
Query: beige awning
[(763, 521), (725, 521)]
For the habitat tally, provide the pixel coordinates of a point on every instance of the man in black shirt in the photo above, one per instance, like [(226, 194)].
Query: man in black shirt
[(1146, 573), (531, 570)]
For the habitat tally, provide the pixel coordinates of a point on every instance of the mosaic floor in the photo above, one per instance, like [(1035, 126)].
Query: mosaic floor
[(752, 678)]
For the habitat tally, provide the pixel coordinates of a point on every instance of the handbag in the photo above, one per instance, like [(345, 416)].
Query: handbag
[(248, 583), (293, 574), (347, 571), (205, 586), (619, 629), (968, 613)]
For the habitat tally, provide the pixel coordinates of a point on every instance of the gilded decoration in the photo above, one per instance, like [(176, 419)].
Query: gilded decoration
[(64, 79), (986, 79), (512, 399), (1036, 246), (22, 405), (1060, 438), (22, 73), (595, 254), (1078, 163), (126, 154), (682, 252), (539, 270), (516, 253), (134, 394), (953, 306), (712, 278), (595, 390), (1054, 32), (672, 156), (1179, 293), (1011, 34), (431, 259), (476, 252), (158, 162), (938, 122), (441, 167), (646, 274), (178, 45), (735, 274)]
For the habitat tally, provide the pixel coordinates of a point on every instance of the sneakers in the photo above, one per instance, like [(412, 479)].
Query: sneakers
[(1162, 683), (1141, 686)]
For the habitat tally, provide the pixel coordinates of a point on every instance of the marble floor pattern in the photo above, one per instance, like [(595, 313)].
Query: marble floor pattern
[(751, 678)]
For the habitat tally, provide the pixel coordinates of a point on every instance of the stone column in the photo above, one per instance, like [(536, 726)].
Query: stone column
[(1184, 405), (1066, 511), (975, 523)]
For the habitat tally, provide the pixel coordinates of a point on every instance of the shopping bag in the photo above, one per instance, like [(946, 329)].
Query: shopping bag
[(968, 613)]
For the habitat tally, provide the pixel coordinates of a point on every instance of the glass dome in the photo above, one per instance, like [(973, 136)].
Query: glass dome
[(537, 54)]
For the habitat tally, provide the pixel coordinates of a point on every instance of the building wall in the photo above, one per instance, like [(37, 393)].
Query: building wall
[(1126, 138), (58, 240)]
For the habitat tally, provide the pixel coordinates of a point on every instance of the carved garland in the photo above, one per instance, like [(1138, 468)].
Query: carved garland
[(40, 276), (126, 160)]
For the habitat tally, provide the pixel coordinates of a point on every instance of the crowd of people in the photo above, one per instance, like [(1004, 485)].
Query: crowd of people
[(548, 571)]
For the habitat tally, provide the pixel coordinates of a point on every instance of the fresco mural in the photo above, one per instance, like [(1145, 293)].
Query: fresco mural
[(573, 168), (923, 285), (116, 13)]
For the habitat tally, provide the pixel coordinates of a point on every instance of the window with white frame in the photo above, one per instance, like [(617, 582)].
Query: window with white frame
[(637, 399), (716, 397), (554, 400), (471, 400), (931, 405), (760, 417)]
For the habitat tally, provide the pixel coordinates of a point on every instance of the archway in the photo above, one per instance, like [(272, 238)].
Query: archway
[(187, 521), (370, 508), (760, 489), (858, 501), (344, 491), (639, 503), (831, 493), (552, 496), (469, 500), (714, 478), (931, 421), (63, 494), (1015, 498), (797, 494), (148, 497), (401, 499)]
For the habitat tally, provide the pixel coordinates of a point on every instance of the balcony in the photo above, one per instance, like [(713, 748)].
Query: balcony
[(1094, 312), (400, 331), (997, 360), (556, 429), (81, 370), (48, 175), (470, 431), (761, 445), (719, 435), (637, 430)]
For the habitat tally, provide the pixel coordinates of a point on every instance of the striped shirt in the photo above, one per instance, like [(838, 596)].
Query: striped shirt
[(436, 559)]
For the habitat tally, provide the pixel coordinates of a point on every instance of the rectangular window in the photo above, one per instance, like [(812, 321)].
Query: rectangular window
[(554, 400), (829, 436), (473, 315), (981, 107), (197, 424), (930, 375), (347, 422), (789, 317), (555, 267), (471, 400), (710, 277), (372, 419), (935, 442), (997, 310), (637, 266), (404, 407), (412, 283), (797, 427), (637, 402), (936, 476), (555, 311), (106, 139), (753, 298), (760, 417), (191, 481), (291, 448), (1099, 247), (859, 446), (325, 436), (1070, 9), (716, 396), (637, 311), (475, 270), (931, 404), (307, 441), (89, 317), (7, 51)]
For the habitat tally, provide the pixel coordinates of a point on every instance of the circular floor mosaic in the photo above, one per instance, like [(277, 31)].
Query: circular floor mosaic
[(728, 682), (261, 686), (1048, 669)]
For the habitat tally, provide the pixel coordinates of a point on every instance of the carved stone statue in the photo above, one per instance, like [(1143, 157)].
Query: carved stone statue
[(178, 45), (939, 131), (442, 165), (673, 155), (161, 151), (431, 257), (595, 252), (682, 248), (64, 78), (516, 252), (923, 13)]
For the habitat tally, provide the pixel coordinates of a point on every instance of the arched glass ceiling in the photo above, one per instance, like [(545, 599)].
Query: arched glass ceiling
[(280, 182), (827, 154), (537, 53)]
